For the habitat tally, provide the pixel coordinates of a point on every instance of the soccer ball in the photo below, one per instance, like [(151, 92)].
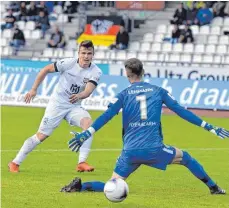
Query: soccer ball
[(116, 190)]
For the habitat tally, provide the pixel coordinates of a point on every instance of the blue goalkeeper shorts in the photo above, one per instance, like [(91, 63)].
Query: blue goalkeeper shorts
[(130, 160)]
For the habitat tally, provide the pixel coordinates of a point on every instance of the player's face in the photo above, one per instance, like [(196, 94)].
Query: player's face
[(85, 56)]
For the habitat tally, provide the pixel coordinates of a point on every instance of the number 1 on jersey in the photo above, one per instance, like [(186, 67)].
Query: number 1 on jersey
[(143, 106)]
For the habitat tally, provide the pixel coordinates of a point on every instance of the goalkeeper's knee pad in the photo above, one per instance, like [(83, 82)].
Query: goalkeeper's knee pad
[(186, 158)]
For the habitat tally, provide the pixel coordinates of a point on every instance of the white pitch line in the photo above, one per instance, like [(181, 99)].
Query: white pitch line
[(112, 150)]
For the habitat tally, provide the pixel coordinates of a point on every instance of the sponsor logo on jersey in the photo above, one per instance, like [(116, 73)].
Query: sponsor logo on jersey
[(95, 79), (75, 88), (140, 124), (85, 80)]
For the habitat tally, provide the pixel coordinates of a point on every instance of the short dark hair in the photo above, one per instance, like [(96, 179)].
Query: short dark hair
[(135, 65), (87, 44)]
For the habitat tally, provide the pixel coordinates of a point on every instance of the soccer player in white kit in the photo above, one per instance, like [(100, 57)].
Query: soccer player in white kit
[(78, 79)]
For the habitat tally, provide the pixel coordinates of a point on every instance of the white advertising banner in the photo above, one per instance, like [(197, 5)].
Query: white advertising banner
[(193, 73), (91, 103)]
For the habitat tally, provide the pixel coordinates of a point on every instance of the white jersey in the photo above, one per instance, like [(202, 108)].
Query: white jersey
[(73, 79)]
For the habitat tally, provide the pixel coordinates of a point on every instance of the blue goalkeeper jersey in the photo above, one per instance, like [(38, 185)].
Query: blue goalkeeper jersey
[(141, 116), (141, 105)]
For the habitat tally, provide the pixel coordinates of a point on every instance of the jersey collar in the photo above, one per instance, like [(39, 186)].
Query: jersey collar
[(140, 82)]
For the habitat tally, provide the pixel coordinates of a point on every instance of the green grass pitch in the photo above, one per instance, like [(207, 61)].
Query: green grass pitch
[(51, 166)]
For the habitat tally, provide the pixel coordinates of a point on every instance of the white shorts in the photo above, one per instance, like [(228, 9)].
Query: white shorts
[(55, 113)]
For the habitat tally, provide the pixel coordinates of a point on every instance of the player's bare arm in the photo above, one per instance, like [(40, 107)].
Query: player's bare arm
[(40, 77), (85, 94)]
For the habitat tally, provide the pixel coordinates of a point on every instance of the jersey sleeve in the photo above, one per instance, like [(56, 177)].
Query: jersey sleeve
[(109, 113), (95, 76), (117, 97), (64, 64), (173, 105)]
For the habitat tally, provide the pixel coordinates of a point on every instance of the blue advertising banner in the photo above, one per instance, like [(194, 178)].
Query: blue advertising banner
[(189, 93), (197, 94)]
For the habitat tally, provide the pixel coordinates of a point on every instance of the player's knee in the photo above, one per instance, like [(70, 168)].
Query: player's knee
[(41, 136), (186, 158), (85, 123)]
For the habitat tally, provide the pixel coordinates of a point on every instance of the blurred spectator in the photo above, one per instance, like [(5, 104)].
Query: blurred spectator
[(10, 20), (186, 35), (122, 39), (126, 22), (188, 4), (42, 23), (18, 39), (218, 9), (210, 3), (14, 6), (199, 4), (226, 9), (82, 7), (23, 11), (70, 7), (109, 3), (57, 39), (42, 7), (204, 15), (191, 14), (49, 5), (32, 11), (175, 34), (103, 3), (179, 16)]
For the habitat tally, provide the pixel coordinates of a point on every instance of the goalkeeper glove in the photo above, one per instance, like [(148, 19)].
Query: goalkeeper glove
[(79, 138), (220, 132)]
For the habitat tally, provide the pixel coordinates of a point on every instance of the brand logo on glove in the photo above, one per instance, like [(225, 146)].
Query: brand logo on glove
[(82, 139)]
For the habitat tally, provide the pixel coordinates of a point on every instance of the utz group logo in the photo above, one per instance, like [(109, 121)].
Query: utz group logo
[(101, 26)]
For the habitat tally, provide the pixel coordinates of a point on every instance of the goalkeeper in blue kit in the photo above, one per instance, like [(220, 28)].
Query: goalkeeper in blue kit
[(141, 105)]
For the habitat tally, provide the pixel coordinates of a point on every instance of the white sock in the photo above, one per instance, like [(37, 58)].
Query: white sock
[(85, 149), (26, 148)]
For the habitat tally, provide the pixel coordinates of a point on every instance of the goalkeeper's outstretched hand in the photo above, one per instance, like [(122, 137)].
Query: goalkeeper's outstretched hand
[(220, 132), (79, 138)]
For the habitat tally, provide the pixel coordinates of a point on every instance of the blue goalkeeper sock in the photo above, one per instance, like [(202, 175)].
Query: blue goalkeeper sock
[(96, 186), (196, 169)]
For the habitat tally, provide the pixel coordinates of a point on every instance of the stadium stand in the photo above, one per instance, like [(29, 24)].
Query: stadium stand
[(210, 47)]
